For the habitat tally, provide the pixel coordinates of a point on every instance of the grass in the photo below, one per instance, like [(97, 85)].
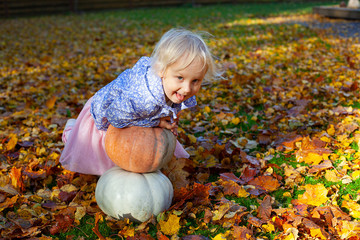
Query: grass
[(84, 230), (187, 14)]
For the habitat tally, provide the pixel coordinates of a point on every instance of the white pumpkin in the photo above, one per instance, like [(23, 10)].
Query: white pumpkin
[(137, 196)]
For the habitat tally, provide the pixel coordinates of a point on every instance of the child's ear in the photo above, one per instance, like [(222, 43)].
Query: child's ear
[(160, 73)]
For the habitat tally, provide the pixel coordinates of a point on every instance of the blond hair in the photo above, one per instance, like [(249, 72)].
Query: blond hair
[(178, 43)]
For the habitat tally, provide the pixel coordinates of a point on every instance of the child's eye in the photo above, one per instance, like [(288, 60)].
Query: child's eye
[(180, 78), (195, 81)]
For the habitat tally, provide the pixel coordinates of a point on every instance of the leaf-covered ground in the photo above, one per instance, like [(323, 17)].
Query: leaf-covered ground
[(274, 146)]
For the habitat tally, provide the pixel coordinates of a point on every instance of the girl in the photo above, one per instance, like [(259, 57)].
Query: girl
[(150, 94)]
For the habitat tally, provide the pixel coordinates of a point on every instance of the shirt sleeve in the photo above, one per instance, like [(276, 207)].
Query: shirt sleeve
[(128, 112)]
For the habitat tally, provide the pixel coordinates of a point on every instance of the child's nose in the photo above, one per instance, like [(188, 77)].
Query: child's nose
[(186, 88)]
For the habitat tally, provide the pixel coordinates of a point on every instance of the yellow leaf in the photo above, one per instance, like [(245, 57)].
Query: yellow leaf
[(220, 236), (235, 121), (316, 232), (313, 158), (314, 195), (221, 211), (332, 176), (268, 227), (331, 130), (171, 226), (355, 175), (54, 155), (243, 193), (325, 139), (192, 138), (346, 197), (12, 142), (353, 206), (68, 188), (79, 214), (207, 109), (286, 194), (289, 237), (347, 229), (127, 231)]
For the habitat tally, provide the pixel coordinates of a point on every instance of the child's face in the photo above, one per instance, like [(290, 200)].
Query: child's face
[(181, 84)]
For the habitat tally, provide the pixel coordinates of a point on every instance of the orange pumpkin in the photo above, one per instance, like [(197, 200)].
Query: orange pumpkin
[(140, 149)]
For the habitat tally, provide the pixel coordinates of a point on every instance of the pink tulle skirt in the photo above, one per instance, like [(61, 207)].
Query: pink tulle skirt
[(84, 150)]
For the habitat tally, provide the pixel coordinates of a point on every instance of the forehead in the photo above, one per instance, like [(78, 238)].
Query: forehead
[(194, 65)]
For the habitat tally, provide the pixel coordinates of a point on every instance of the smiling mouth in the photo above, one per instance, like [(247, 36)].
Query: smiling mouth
[(180, 97)]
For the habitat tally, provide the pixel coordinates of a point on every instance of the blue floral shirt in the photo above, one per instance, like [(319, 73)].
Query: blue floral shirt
[(135, 98)]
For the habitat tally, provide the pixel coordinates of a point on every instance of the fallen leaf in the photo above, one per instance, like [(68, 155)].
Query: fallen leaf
[(12, 142), (264, 210), (241, 232), (353, 207), (95, 229), (314, 195), (332, 176), (171, 226), (267, 183), (16, 179), (50, 103)]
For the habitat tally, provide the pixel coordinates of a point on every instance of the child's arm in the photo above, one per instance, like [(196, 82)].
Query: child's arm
[(165, 122)]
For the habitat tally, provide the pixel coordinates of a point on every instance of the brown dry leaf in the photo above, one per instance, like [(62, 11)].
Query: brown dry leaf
[(232, 188), (227, 209), (288, 141), (255, 221), (161, 236), (62, 223), (241, 232), (174, 170), (323, 166), (265, 182), (265, 209), (198, 194), (230, 176), (248, 174), (315, 230)]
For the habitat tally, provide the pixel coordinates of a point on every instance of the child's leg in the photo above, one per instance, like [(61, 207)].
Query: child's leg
[(67, 130)]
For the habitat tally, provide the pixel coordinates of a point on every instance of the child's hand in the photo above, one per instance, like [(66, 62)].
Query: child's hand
[(165, 122)]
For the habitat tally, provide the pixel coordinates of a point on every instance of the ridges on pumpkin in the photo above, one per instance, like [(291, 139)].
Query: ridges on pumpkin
[(137, 196), (140, 149)]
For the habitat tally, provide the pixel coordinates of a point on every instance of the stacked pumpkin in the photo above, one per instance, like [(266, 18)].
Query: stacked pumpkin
[(135, 188)]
